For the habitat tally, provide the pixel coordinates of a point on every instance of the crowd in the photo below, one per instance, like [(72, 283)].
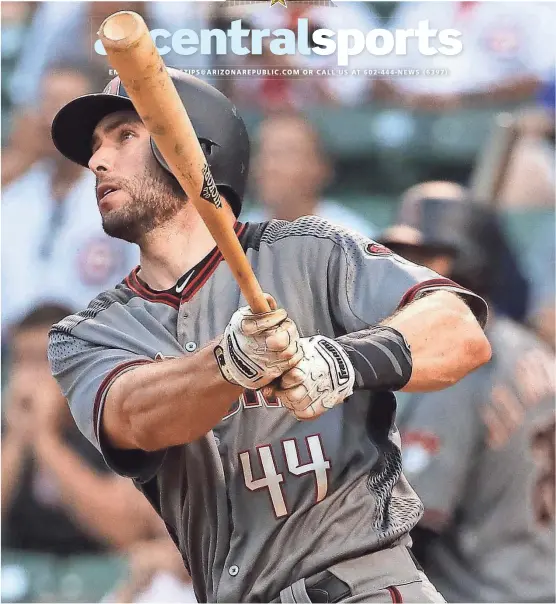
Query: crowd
[(507, 56), (480, 455)]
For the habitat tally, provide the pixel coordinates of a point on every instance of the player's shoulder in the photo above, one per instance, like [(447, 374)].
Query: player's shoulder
[(118, 296), (311, 228)]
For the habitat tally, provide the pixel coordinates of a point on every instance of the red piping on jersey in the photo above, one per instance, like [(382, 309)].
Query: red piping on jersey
[(442, 282), (395, 594), (106, 382), (172, 299), (204, 274), (163, 297)]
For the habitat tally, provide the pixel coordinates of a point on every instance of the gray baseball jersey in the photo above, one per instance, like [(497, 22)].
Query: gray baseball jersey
[(481, 457), (263, 499)]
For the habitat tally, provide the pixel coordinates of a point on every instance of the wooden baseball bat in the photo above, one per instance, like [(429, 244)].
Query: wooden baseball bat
[(131, 51)]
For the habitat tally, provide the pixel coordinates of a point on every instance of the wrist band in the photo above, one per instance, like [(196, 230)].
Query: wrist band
[(380, 356)]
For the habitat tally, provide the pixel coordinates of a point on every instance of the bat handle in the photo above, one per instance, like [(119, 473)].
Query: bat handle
[(259, 306), (253, 293)]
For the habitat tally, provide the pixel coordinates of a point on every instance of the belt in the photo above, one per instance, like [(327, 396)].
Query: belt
[(323, 587)]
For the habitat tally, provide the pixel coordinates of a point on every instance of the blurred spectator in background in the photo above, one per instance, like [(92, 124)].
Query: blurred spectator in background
[(156, 574), (540, 261), (290, 172), (16, 17), (480, 454), (68, 29), (508, 50), (509, 288), (30, 139), (53, 245), (268, 93), (58, 495), (530, 180), (529, 187)]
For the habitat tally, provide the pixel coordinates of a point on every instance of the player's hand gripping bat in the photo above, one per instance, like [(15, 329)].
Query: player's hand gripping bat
[(131, 51)]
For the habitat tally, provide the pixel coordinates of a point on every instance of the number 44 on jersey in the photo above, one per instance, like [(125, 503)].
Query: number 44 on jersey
[(272, 479)]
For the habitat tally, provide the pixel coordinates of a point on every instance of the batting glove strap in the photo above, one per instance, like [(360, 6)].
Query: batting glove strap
[(341, 371), (227, 367), (323, 378), (381, 357)]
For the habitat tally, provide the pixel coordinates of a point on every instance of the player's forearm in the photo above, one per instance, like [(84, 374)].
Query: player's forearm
[(93, 500), (429, 345), (168, 403), (445, 339), (13, 457)]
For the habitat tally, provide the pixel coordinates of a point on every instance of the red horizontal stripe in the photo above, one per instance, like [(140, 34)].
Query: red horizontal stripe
[(431, 283)]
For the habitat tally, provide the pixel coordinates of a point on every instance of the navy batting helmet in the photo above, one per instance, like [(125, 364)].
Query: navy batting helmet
[(220, 130)]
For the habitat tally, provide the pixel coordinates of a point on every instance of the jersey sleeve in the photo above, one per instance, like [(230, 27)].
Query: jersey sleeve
[(85, 369), (441, 437), (367, 283)]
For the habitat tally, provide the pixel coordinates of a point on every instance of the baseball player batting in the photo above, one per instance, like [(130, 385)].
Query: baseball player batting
[(205, 405)]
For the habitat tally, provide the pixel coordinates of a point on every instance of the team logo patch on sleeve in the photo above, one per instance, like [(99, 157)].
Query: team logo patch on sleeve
[(377, 249)]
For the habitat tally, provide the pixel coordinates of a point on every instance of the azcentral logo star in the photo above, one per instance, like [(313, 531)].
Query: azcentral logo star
[(282, 2)]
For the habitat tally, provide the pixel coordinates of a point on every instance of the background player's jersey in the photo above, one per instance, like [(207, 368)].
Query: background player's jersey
[(263, 499), (481, 457)]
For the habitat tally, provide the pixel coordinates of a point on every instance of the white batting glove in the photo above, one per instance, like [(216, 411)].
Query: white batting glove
[(323, 378), (258, 348)]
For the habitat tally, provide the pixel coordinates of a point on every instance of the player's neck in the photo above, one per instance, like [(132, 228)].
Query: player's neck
[(172, 249)]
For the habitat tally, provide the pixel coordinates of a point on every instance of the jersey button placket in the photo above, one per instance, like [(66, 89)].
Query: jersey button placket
[(233, 570)]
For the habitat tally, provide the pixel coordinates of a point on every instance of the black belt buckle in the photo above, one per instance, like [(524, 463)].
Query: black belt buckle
[(326, 588)]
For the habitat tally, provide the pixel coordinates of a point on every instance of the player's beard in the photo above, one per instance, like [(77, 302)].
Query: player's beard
[(156, 198)]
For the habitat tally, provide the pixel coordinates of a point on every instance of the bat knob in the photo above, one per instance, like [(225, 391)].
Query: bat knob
[(123, 27)]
